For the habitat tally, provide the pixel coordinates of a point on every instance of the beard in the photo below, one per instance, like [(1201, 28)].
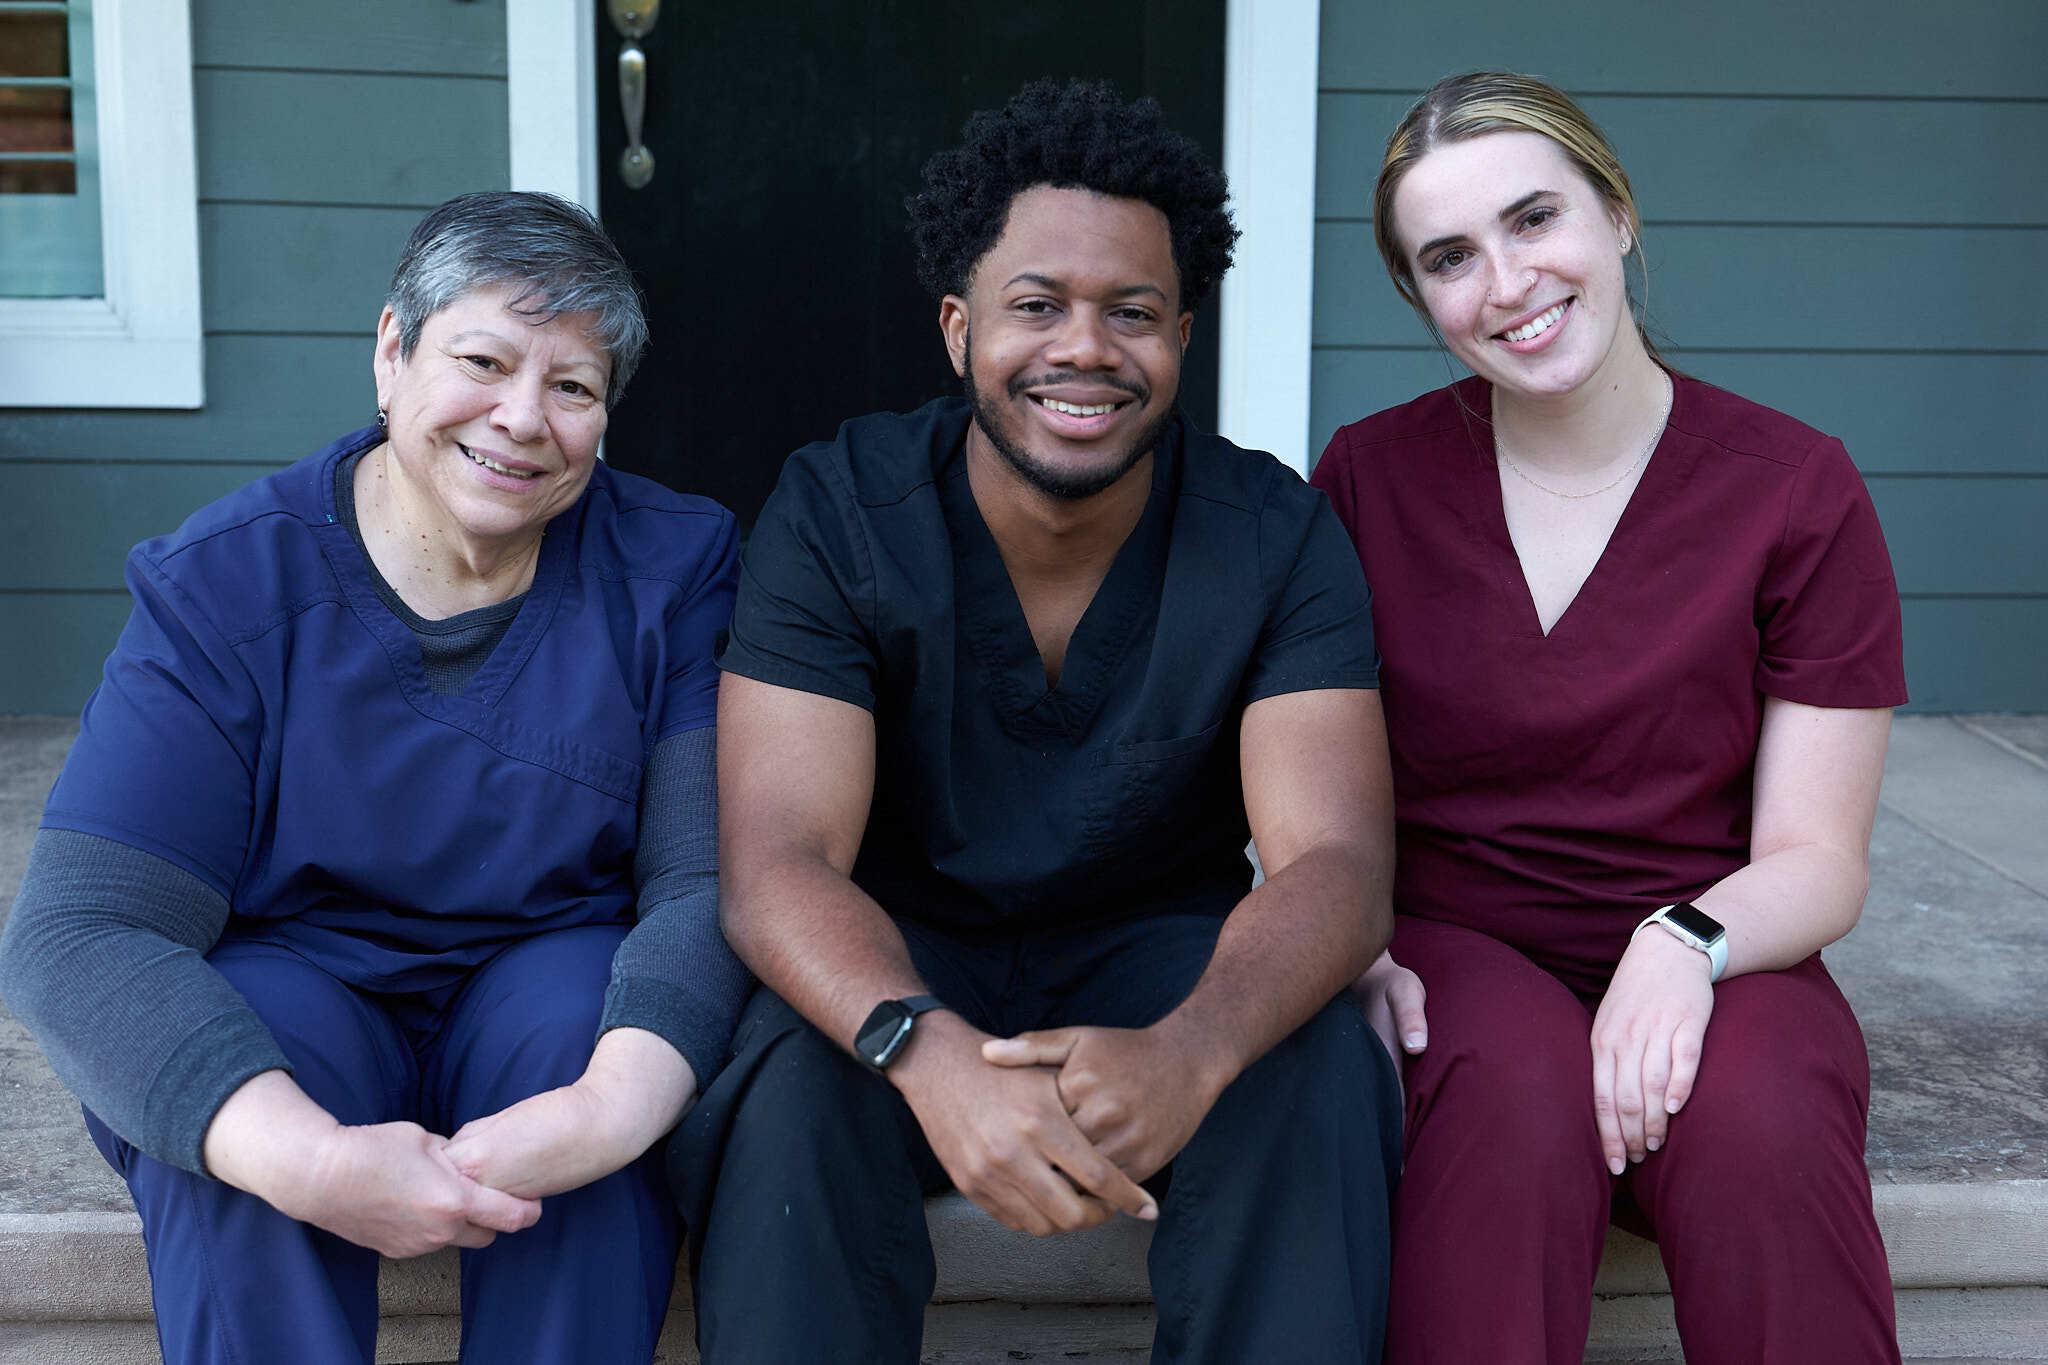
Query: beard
[(1070, 485)]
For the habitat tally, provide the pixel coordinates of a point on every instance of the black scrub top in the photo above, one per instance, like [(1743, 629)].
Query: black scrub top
[(1000, 803)]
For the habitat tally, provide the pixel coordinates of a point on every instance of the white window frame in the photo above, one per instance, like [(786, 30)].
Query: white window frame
[(1269, 153), (139, 345)]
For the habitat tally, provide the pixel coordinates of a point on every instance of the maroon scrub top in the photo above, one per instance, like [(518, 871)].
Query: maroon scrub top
[(1552, 790)]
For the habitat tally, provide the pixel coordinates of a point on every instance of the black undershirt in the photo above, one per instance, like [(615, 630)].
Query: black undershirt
[(453, 648)]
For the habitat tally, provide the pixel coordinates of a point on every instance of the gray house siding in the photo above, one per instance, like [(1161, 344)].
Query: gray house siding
[(323, 131), (1846, 215)]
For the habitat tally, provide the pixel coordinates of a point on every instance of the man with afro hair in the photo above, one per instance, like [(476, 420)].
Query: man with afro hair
[(1010, 681)]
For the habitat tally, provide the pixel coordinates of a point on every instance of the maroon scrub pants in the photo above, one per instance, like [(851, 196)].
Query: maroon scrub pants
[(1759, 1199)]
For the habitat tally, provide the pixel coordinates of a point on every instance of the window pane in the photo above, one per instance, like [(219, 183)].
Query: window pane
[(49, 153), (32, 43)]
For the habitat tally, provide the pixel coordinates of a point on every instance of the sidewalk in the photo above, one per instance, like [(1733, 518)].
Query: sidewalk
[(1946, 972)]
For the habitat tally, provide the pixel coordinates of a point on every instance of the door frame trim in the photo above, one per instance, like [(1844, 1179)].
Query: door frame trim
[(1269, 153)]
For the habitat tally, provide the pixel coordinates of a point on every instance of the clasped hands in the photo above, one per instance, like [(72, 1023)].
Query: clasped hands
[(403, 1191), (1646, 1039), (1051, 1131)]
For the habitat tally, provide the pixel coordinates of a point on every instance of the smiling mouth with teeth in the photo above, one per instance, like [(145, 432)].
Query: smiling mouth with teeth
[(494, 466), (1078, 409), (1538, 325)]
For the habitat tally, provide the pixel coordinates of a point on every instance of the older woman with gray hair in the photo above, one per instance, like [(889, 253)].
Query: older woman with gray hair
[(393, 817)]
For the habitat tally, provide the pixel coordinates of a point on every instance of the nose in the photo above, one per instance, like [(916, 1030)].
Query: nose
[(1084, 343), (1510, 283), (520, 414)]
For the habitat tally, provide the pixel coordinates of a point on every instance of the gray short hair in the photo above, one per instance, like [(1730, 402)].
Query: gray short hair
[(554, 252)]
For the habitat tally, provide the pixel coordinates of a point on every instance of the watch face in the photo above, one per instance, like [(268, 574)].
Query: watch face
[(882, 1036), (1696, 922)]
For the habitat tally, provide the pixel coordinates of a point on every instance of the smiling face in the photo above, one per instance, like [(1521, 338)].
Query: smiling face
[(493, 422), (1070, 339), (1518, 260)]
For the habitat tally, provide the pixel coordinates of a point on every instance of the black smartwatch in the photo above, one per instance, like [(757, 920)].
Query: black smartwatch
[(886, 1033)]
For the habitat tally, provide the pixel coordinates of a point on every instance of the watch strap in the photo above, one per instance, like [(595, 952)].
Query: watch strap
[(1715, 947)]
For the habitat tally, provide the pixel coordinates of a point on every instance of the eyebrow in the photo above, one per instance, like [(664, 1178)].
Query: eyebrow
[(1048, 282), (476, 334), (486, 334), (1509, 212)]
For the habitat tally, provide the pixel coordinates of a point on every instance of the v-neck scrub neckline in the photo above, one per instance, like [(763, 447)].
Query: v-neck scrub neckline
[(1646, 500), (1124, 609)]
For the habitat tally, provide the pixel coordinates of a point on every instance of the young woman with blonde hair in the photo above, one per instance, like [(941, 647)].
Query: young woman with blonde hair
[(1642, 645)]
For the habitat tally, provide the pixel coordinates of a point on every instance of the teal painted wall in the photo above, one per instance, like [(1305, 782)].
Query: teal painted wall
[(323, 131), (1846, 217)]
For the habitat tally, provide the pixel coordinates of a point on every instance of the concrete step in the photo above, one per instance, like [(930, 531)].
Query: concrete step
[(1969, 1263)]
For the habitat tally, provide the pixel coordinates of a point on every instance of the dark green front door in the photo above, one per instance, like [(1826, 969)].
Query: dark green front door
[(770, 241)]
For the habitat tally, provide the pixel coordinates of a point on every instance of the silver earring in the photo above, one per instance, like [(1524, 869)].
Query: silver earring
[(383, 418)]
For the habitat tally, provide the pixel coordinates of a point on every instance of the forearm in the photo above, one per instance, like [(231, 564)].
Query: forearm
[(641, 1085), (103, 961), (1818, 773), (675, 975), (266, 1139), (1285, 951), (819, 942), (1788, 905)]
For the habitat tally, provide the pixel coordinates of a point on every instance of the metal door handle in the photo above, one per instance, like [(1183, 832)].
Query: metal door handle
[(634, 19)]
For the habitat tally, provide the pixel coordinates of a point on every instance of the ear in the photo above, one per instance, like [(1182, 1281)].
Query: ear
[(1621, 230), (1187, 329), (953, 327), (384, 359)]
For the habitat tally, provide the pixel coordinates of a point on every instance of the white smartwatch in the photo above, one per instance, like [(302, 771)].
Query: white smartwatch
[(1695, 928)]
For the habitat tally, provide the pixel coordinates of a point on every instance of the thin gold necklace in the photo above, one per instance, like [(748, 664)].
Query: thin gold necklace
[(1656, 434)]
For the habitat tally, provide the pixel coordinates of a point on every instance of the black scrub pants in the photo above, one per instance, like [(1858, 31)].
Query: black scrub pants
[(801, 1174)]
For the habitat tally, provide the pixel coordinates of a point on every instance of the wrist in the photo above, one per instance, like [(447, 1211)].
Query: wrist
[(937, 1043), (1693, 929), (1199, 1052), (269, 1139), (1652, 946)]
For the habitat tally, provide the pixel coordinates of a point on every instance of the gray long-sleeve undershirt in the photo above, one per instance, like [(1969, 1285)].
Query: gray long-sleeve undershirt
[(103, 961)]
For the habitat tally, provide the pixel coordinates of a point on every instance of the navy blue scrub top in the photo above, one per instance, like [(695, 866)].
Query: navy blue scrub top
[(1001, 803), (266, 723)]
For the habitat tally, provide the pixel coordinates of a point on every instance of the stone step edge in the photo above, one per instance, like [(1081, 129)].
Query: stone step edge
[(88, 1267)]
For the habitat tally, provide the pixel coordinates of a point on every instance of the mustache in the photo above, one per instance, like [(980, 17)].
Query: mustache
[(1136, 390)]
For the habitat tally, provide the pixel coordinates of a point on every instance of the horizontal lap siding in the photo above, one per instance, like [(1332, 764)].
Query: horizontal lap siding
[(1846, 218), (324, 131)]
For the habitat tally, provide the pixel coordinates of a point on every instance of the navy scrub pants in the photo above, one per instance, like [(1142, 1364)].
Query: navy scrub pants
[(802, 1173), (233, 1280)]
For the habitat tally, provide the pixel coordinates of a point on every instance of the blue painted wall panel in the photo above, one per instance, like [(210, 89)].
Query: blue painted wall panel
[(1846, 219), (323, 131)]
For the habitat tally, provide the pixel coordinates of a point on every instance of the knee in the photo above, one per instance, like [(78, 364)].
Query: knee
[(803, 1095), (345, 1054), (1522, 1104), (528, 1019), (522, 1054), (1330, 1071), (1771, 1115)]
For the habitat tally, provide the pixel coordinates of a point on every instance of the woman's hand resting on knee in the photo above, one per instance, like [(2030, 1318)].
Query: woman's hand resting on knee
[(1647, 1036), (388, 1186), (1392, 997)]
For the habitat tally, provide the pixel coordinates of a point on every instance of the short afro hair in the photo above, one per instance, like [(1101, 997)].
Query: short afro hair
[(1080, 135)]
